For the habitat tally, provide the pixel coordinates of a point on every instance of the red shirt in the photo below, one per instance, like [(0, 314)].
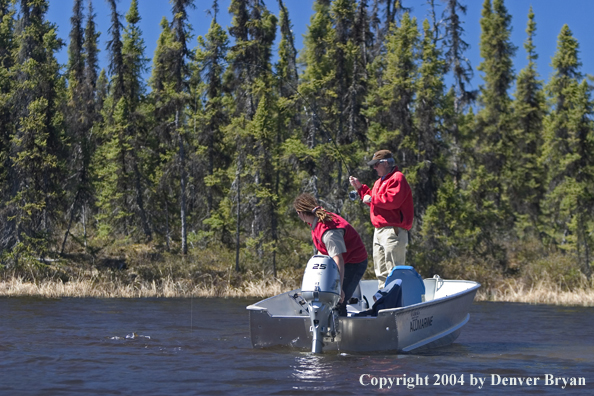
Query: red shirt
[(391, 201), (355, 253)]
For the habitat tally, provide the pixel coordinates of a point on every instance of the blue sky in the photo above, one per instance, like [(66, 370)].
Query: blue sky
[(550, 15)]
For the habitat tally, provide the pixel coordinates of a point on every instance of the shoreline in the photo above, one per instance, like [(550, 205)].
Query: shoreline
[(167, 288), (543, 293)]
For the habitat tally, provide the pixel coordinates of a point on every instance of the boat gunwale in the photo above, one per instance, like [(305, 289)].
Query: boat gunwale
[(476, 286), (434, 301)]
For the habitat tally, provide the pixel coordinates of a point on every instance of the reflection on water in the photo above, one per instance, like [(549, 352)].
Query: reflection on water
[(185, 347), (311, 367), (314, 373)]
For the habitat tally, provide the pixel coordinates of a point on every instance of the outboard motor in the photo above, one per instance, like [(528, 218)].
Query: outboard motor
[(321, 289)]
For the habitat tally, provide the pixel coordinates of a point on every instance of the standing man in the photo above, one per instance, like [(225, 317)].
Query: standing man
[(392, 213)]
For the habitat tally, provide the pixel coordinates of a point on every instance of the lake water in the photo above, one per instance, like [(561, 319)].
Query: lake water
[(202, 347)]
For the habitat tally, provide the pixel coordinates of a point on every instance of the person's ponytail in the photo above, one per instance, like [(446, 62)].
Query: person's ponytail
[(307, 203)]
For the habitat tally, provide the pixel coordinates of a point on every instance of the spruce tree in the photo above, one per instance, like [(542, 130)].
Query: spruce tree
[(361, 41), (170, 94), (375, 30), (91, 49), (6, 32), (287, 80), (82, 115), (391, 100), (345, 87), (235, 78), (76, 119), (451, 232), (428, 165), (470, 213), (111, 162), (288, 129), (179, 26), (492, 133), (459, 67), (313, 87), (236, 74), (122, 188), (393, 9), (249, 78), (384, 14), (567, 154), (524, 177), (6, 62), (37, 141), (135, 64), (262, 128), (76, 63), (114, 47), (493, 127), (343, 13), (93, 97), (286, 69), (334, 86), (102, 91), (162, 90), (112, 170), (262, 199), (211, 118), (454, 48)]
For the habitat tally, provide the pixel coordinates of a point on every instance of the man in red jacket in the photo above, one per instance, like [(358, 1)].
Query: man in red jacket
[(392, 212)]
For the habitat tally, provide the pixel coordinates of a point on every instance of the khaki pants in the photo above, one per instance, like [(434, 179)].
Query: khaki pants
[(389, 250)]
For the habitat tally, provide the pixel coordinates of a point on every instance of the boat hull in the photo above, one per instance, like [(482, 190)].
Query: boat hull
[(283, 321)]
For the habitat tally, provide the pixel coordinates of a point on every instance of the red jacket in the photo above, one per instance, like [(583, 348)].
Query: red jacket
[(391, 201), (355, 253)]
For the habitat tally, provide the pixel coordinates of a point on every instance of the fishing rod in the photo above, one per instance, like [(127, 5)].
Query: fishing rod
[(330, 139)]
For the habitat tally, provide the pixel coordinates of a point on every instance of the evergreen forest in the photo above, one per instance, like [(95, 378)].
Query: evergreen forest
[(200, 163)]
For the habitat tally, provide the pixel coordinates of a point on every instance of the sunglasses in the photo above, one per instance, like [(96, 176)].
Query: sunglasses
[(379, 162)]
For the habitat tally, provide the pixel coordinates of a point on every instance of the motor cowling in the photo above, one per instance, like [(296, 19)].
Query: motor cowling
[(321, 289), (321, 280)]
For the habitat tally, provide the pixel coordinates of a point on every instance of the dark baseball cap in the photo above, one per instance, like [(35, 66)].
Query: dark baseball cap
[(380, 155)]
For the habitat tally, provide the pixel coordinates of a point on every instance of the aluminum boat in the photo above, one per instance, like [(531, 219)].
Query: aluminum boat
[(304, 318)]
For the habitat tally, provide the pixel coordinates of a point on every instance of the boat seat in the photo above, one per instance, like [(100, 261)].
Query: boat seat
[(388, 297), (413, 287)]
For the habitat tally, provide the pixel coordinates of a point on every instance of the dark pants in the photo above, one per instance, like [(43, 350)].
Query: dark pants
[(352, 275)]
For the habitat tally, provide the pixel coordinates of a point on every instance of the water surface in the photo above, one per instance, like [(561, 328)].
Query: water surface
[(202, 347)]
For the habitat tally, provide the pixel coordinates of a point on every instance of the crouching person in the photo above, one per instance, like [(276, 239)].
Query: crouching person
[(334, 236)]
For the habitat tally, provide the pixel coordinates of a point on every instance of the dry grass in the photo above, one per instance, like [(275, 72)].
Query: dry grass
[(543, 292), (140, 271), (512, 291), (16, 287)]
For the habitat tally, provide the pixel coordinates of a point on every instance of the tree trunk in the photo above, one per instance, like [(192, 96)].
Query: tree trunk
[(184, 231), (167, 232), (72, 213), (140, 202), (238, 174), (84, 222)]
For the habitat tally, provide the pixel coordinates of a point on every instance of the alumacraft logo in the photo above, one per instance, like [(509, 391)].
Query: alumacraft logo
[(417, 322)]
